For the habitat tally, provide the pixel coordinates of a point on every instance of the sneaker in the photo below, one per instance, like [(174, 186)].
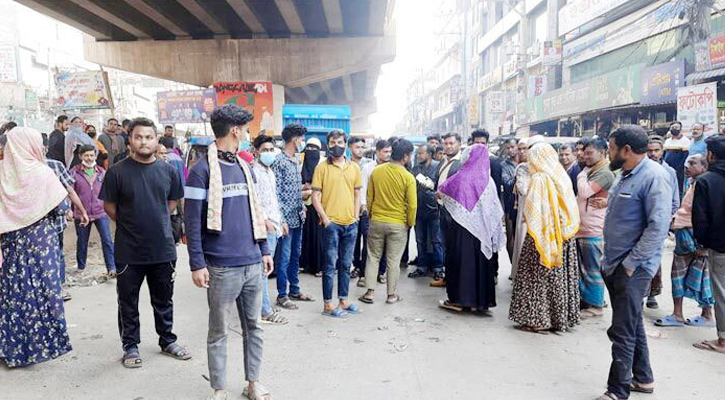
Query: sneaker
[(361, 282), (439, 280), (382, 279), (418, 273)]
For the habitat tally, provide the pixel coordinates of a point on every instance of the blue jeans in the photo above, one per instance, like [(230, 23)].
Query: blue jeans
[(266, 304), (290, 247), (428, 239), (84, 233), (339, 243)]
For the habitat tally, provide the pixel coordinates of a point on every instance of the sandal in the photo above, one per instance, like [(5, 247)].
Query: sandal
[(274, 319), (652, 303), (259, 393), (286, 303), (131, 359), (393, 299), (641, 387), (365, 299), (445, 304), (352, 309), (589, 313), (607, 396), (382, 279), (707, 345), (669, 321), (176, 351), (301, 297), (361, 281), (700, 321), (335, 313)]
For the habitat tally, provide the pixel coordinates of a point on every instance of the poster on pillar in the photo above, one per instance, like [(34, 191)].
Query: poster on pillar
[(255, 97), (185, 106), (697, 103)]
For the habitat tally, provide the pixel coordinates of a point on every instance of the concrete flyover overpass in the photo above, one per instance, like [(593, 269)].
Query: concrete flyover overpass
[(321, 51)]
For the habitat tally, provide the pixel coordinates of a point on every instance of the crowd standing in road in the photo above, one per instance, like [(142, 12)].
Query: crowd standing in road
[(576, 221)]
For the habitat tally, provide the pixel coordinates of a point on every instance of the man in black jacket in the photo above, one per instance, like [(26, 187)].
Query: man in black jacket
[(448, 167), (56, 140), (708, 224), (427, 224)]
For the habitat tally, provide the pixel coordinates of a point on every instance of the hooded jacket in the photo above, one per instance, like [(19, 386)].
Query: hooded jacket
[(708, 208)]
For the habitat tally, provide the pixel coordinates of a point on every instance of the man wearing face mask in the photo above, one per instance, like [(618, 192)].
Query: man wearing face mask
[(698, 146), (289, 193), (102, 157), (676, 151)]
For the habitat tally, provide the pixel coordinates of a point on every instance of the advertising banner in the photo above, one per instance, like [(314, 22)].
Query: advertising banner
[(716, 49), (8, 63), (537, 86), (185, 106), (578, 12), (496, 101), (255, 97), (551, 54), (660, 82), (697, 103), (83, 90)]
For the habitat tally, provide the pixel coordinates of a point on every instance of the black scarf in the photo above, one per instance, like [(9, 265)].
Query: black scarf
[(312, 158)]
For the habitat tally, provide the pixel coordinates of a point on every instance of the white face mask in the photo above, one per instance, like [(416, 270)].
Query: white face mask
[(89, 165)]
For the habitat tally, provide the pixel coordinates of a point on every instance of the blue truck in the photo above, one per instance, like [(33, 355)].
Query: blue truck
[(318, 119)]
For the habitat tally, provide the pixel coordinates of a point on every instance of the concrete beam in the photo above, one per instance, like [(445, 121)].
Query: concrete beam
[(293, 62), (327, 88), (333, 15), (347, 85), (130, 28), (158, 17), (290, 16), (313, 93), (207, 19), (247, 15)]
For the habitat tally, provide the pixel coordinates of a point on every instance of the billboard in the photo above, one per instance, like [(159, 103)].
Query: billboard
[(82, 90), (660, 82), (697, 103), (185, 106), (255, 97)]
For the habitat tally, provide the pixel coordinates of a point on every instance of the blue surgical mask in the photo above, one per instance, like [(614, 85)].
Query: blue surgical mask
[(267, 158), (301, 147), (244, 145)]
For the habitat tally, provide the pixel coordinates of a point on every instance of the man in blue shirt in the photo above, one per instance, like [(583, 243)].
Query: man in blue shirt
[(697, 145), (228, 257), (635, 227)]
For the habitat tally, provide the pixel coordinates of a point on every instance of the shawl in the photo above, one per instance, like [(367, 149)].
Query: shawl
[(551, 212), (473, 203), (29, 189), (215, 197)]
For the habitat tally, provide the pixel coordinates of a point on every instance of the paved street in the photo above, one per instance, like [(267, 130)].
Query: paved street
[(411, 350)]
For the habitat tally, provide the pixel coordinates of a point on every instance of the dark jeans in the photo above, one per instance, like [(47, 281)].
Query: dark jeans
[(360, 254), (428, 239), (288, 269), (630, 355), (339, 241), (84, 233), (160, 278)]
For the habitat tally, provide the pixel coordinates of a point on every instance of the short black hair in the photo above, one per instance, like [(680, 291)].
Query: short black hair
[(168, 126), (675, 122), (433, 136), (597, 143), (382, 144), (292, 131), (566, 146), (356, 139), (633, 136), (90, 126), (126, 122), (439, 148), (430, 149), (224, 118), (140, 121), (334, 134), (86, 148), (8, 126), (509, 140), (61, 119), (76, 118), (582, 142), (262, 139), (400, 148), (111, 119), (716, 146), (657, 139), (480, 133), (453, 135), (45, 139)]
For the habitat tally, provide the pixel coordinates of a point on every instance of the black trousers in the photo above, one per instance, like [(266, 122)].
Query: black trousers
[(160, 280), (630, 354)]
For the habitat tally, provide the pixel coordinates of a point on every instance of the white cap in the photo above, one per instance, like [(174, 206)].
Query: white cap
[(315, 142), (535, 140)]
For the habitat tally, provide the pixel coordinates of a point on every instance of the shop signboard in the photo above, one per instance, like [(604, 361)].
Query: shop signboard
[(8, 63), (185, 106), (511, 68), (660, 82), (490, 79), (697, 104), (496, 101), (551, 53), (255, 97), (537, 86), (716, 51), (578, 12), (83, 90)]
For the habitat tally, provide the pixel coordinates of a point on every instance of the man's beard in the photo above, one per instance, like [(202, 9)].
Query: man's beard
[(616, 164)]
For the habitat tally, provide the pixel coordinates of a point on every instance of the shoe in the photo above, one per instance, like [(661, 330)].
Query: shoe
[(652, 303), (361, 282), (417, 274), (354, 273), (439, 280), (382, 279), (218, 395)]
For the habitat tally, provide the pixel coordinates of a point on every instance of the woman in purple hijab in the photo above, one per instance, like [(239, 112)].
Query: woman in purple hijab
[(475, 235)]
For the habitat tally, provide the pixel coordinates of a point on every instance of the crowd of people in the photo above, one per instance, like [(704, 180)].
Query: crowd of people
[(576, 222)]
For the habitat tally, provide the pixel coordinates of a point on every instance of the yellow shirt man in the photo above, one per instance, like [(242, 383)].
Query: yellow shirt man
[(391, 195), (337, 185)]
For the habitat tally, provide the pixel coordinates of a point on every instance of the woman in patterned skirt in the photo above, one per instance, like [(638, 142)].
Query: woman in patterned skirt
[(32, 319), (546, 288)]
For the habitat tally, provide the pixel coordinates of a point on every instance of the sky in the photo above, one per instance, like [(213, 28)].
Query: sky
[(415, 49)]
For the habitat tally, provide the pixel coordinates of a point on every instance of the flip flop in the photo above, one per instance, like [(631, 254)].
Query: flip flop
[(706, 345), (700, 321), (301, 297), (336, 313), (447, 305), (669, 321), (260, 393), (366, 300), (131, 359), (639, 388), (176, 351), (352, 309)]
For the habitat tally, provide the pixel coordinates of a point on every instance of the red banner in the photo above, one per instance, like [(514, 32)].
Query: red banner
[(717, 50), (255, 97)]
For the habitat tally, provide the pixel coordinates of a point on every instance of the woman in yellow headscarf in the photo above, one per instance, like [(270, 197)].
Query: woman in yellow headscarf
[(546, 287)]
